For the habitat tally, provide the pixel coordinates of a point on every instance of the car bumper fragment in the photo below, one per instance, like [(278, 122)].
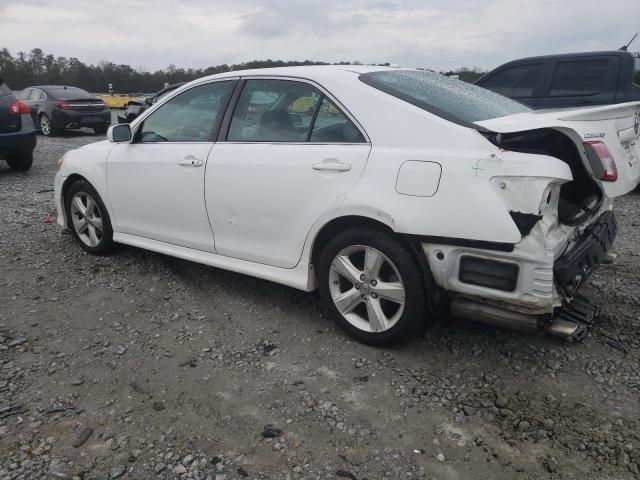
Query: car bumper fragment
[(571, 321), (573, 268)]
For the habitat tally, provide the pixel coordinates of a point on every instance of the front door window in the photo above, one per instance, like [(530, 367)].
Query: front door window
[(192, 116)]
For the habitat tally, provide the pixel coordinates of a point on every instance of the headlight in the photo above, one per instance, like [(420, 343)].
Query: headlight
[(59, 164)]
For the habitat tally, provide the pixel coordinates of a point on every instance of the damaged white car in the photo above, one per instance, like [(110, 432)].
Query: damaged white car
[(399, 194)]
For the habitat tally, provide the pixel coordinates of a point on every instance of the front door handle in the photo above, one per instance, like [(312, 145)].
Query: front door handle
[(191, 162), (332, 164)]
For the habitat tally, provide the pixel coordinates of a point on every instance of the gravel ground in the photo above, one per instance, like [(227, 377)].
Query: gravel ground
[(137, 365)]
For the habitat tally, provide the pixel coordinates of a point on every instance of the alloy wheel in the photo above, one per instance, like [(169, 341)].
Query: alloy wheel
[(366, 288), (45, 125), (87, 219)]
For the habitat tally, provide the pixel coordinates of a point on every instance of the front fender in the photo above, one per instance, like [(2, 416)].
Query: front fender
[(90, 163)]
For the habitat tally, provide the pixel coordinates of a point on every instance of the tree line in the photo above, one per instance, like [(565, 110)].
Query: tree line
[(40, 68)]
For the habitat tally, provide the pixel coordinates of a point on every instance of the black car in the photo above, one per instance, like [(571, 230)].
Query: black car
[(135, 107), (17, 133), (568, 80), (55, 108)]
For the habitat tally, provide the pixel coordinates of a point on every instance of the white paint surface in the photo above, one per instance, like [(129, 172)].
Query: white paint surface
[(257, 208), (418, 178)]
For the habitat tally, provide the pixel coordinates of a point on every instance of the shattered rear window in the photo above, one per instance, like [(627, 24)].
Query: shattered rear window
[(451, 99)]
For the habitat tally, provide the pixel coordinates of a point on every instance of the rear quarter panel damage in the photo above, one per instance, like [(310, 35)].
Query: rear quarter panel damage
[(473, 197)]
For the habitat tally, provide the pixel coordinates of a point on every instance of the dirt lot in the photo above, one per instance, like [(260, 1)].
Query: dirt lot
[(138, 365)]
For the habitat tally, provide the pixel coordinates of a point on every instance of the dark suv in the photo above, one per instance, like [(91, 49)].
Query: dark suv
[(568, 80), (17, 134)]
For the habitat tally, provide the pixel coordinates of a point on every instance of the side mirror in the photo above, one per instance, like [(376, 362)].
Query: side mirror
[(120, 133), (149, 101)]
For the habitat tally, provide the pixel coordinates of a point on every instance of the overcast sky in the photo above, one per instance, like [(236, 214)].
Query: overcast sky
[(437, 34)]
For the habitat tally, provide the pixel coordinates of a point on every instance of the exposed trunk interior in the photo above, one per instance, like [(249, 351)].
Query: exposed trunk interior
[(579, 197)]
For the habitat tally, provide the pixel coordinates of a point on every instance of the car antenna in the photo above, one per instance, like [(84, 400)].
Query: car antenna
[(624, 47)]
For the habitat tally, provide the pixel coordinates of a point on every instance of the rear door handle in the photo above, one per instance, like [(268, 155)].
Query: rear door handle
[(191, 162), (332, 164)]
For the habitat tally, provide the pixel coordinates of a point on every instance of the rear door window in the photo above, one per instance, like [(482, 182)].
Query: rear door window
[(333, 126), (517, 81), (274, 111), (579, 78), (35, 94)]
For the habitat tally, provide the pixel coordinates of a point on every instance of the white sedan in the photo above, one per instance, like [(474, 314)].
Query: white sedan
[(400, 194)]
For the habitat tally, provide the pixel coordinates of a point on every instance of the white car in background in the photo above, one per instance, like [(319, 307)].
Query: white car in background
[(398, 193)]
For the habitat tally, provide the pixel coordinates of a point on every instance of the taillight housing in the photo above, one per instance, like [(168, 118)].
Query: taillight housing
[(18, 108), (64, 106), (609, 169)]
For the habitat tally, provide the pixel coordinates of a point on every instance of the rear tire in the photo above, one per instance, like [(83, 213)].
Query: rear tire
[(20, 162), (46, 126), (88, 218), (372, 286)]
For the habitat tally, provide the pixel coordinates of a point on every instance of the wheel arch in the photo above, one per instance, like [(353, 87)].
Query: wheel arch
[(66, 185), (73, 178), (436, 299), (338, 224)]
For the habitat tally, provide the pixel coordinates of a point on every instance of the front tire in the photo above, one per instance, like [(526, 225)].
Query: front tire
[(88, 218), (372, 286), (20, 162)]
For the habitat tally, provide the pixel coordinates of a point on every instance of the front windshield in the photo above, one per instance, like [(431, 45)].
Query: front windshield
[(451, 99)]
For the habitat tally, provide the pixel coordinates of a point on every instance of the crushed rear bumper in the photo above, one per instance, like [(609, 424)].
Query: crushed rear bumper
[(532, 288), (573, 268)]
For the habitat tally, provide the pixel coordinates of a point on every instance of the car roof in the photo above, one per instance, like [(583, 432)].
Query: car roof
[(306, 71), (173, 86), (610, 53)]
